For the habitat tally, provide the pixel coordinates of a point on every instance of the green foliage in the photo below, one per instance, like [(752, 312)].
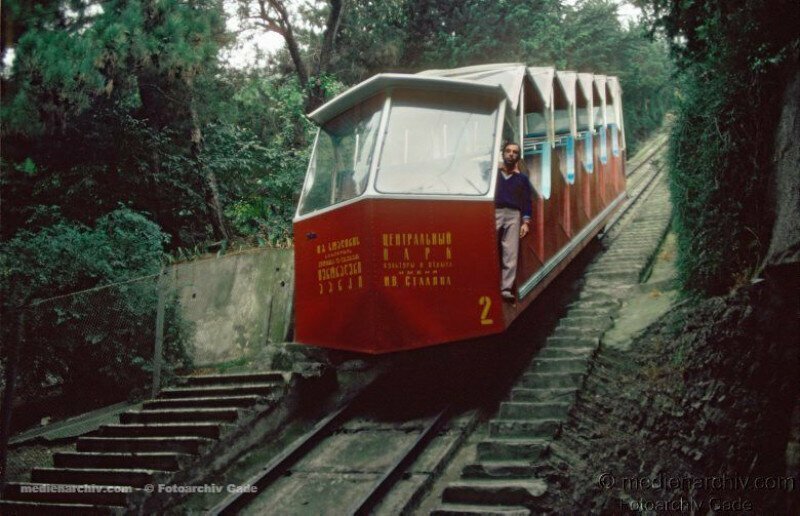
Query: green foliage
[(96, 344), (731, 63), (417, 34), (102, 107), (261, 155), (64, 257)]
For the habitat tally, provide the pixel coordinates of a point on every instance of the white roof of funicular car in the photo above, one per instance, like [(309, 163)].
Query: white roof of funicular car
[(509, 76), (501, 80), (384, 81)]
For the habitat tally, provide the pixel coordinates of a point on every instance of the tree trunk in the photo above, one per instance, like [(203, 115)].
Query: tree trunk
[(212, 186), (316, 94)]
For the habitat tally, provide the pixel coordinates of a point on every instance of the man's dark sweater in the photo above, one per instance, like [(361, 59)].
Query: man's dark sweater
[(514, 192)]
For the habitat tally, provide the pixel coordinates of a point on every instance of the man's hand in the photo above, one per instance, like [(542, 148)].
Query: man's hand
[(523, 230)]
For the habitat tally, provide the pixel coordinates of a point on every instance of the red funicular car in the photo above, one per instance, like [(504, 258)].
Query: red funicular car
[(395, 243)]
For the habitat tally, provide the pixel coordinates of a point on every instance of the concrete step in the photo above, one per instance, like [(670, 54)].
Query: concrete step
[(566, 352), (608, 284), (578, 332), (209, 402), (559, 365), (501, 492), (19, 508), (451, 509), (229, 379), (616, 265), (190, 445), (560, 341), (68, 493), (586, 322), (545, 394), (203, 391), (499, 469), (207, 430), (529, 410), (107, 477), (604, 311), (164, 461), (179, 415), (596, 298), (631, 276), (620, 263), (516, 428), (492, 449), (549, 380)]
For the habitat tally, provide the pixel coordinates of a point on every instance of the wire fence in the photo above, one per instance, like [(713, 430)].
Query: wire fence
[(74, 353)]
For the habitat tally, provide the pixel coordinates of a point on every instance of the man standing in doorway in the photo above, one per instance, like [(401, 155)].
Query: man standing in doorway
[(512, 198)]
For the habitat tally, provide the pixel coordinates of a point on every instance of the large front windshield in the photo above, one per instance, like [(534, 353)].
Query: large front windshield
[(339, 168), (438, 143)]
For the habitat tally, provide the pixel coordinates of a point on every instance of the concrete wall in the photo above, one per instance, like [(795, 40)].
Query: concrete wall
[(237, 303)]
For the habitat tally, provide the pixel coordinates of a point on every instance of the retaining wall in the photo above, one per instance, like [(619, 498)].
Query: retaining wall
[(236, 303)]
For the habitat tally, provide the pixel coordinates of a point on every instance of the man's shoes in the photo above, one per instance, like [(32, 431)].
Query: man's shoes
[(507, 295)]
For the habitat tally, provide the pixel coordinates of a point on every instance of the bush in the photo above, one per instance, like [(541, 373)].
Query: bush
[(94, 346), (732, 66)]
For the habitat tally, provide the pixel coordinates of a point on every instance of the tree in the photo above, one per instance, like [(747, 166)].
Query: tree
[(274, 16), (107, 97), (731, 61)]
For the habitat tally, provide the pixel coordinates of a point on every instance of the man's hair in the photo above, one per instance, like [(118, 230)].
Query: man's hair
[(505, 146)]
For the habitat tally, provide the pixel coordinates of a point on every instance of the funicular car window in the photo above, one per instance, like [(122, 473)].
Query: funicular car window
[(437, 143), (339, 168)]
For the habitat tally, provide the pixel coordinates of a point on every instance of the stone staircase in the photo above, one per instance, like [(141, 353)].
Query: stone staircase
[(113, 469), (503, 478)]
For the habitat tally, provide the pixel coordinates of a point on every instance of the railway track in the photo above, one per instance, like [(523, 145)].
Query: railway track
[(352, 459)]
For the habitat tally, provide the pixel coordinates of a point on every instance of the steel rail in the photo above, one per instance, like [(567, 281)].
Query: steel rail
[(656, 148), (382, 486), (641, 187), (281, 463)]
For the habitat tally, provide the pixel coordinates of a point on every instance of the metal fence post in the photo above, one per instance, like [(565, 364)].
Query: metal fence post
[(158, 349), (12, 364)]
